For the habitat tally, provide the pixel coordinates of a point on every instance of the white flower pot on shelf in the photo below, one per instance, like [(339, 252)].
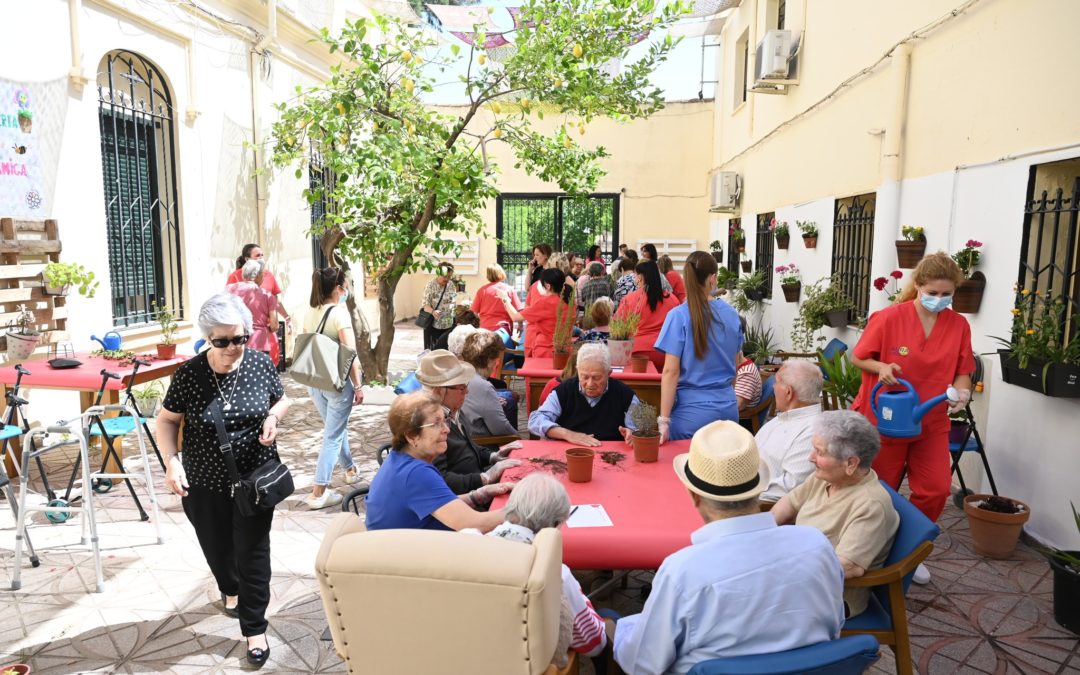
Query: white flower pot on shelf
[(21, 346)]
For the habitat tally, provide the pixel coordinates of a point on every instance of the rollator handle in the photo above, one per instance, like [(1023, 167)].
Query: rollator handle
[(140, 362), (19, 369), (113, 376), (114, 407), (53, 429)]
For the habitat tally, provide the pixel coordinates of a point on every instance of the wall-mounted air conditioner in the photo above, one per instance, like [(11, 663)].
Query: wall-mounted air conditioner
[(777, 62), (725, 190)]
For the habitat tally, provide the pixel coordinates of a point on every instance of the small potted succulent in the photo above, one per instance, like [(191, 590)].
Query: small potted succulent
[(995, 523), (809, 232), (458, 282), (148, 397), (738, 236), (22, 336), (910, 249), (646, 434), (780, 230), (166, 349), (26, 121), (969, 293), (717, 250), (58, 278), (621, 334), (790, 281)]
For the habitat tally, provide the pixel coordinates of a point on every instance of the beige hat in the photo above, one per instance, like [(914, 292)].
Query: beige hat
[(723, 464), (440, 368)]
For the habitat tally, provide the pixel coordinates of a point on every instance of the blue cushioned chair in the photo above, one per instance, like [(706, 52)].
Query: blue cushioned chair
[(886, 616), (846, 656), (408, 384)]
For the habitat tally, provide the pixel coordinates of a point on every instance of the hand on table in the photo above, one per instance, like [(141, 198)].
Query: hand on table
[(493, 474), (505, 450), (175, 478), (483, 495), (887, 373), (584, 440)]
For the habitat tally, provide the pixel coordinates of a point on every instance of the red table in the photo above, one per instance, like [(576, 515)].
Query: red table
[(649, 507), (85, 379), (537, 371)]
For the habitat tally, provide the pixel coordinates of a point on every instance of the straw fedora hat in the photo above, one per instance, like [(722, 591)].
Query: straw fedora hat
[(723, 464), (440, 368)]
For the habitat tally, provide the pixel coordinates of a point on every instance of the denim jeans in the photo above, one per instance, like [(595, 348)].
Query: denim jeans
[(334, 408)]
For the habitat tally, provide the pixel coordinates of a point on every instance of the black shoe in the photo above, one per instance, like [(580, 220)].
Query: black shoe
[(229, 611), (257, 657)]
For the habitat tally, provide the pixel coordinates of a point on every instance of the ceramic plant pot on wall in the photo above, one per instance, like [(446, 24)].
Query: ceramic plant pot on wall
[(810, 242), (782, 242), (969, 294), (837, 318), (792, 291), (747, 266), (909, 253)]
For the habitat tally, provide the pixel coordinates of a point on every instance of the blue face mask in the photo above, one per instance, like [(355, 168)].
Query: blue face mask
[(935, 304), (344, 297)]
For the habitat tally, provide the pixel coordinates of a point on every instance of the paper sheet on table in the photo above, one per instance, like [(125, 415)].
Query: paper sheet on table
[(589, 515)]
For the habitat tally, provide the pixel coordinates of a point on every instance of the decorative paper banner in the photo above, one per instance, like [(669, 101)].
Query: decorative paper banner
[(697, 28), (501, 54), (459, 18), (702, 8), (491, 40), (31, 130)]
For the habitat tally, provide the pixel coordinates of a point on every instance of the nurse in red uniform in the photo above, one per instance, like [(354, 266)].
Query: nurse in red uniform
[(921, 340), (542, 313)]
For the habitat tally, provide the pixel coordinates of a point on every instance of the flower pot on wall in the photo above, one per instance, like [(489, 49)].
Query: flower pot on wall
[(792, 291), (740, 245), (909, 253), (1066, 594), (755, 294), (837, 318), (718, 256), (1060, 380), (783, 241), (58, 291), (994, 534), (747, 266), (969, 294), (810, 242)]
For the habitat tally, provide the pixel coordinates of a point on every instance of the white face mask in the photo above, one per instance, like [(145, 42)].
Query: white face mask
[(542, 289)]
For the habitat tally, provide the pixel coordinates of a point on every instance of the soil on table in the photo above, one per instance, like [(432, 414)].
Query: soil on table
[(554, 465), (1000, 505), (611, 457)]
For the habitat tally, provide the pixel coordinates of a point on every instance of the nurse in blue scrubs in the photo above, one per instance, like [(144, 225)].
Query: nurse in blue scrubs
[(699, 340)]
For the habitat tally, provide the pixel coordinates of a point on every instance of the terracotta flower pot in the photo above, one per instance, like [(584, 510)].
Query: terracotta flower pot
[(646, 448), (166, 351), (792, 291), (783, 241), (811, 242), (969, 294), (15, 669), (559, 359), (579, 464), (620, 352), (747, 265), (909, 253), (1066, 594), (993, 534), (639, 363)]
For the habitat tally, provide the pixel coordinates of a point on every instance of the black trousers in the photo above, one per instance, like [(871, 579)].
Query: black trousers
[(432, 335), (237, 549)]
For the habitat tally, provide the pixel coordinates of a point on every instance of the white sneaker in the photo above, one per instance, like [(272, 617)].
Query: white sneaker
[(922, 575), (352, 476), (328, 498)]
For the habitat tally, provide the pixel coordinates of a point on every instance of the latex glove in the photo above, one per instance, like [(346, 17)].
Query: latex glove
[(887, 373), (964, 397), (493, 474), (665, 430), (505, 450), (175, 478), (482, 496)]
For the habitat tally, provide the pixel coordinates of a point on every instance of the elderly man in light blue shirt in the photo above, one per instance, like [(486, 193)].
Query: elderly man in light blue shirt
[(744, 585), (587, 409), (784, 441)]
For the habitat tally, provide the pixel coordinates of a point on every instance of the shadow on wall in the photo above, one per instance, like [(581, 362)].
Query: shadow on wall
[(235, 214)]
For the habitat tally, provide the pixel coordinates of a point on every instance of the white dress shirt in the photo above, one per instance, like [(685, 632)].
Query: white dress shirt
[(744, 586), (784, 444)]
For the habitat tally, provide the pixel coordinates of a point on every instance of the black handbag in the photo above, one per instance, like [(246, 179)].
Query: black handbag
[(256, 492), (424, 318)]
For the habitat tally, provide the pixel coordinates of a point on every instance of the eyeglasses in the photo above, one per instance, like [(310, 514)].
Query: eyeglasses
[(439, 423), (222, 343)]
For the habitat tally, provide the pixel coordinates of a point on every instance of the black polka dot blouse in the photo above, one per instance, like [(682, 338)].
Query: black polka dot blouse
[(250, 391)]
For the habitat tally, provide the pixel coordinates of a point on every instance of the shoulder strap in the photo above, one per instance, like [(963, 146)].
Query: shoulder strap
[(224, 444), (441, 295), (324, 318)]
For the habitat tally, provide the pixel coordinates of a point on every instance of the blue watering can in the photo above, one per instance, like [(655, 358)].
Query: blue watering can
[(899, 413), (111, 342)]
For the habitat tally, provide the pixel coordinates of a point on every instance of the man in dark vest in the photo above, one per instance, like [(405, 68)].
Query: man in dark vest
[(588, 408)]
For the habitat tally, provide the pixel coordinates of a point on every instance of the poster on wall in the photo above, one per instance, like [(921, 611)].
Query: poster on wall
[(31, 130)]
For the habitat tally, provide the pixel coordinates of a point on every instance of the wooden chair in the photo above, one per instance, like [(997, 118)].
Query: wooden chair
[(765, 409), (886, 616)]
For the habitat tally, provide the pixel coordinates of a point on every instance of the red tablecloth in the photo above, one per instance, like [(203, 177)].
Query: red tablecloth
[(542, 367), (650, 509), (87, 377)]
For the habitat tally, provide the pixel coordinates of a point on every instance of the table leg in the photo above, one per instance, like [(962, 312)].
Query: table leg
[(534, 386)]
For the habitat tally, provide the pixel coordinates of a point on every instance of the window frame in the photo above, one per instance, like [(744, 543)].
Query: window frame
[(853, 249), (764, 249)]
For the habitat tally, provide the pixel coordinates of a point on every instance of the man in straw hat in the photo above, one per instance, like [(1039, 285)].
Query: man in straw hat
[(725, 593), (466, 466)]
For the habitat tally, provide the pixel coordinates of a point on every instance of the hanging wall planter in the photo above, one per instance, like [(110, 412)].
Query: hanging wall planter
[(837, 318), (791, 291), (1059, 380), (747, 266), (783, 241), (909, 253), (811, 242), (969, 294), (755, 294), (740, 245)]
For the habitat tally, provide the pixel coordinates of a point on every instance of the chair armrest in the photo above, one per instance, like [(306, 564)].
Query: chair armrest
[(496, 440), (894, 572)]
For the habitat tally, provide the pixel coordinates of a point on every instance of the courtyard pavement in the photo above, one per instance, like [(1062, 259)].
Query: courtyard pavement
[(161, 612)]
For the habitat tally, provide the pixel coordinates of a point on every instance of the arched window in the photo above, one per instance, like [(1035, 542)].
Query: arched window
[(138, 164)]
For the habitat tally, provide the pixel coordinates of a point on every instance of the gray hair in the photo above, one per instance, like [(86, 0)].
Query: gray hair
[(594, 352), (804, 377), (252, 269), (596, 269), (538, 501), (455, 342), (224, 309), (847, 433)]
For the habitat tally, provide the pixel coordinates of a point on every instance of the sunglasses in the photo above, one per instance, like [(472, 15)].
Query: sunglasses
[(222, 343)]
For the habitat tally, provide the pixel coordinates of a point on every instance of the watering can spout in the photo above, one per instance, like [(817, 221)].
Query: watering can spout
[(97, 340), (926, 406)]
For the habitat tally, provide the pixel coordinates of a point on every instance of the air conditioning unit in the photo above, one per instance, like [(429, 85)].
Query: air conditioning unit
[(777, 62), (725, 190)]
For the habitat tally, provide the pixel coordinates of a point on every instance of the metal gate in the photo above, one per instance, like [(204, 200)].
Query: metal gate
[(566, 223)]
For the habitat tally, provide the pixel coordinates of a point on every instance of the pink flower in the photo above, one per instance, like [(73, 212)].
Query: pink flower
[(896, 274), (971, 243), (772, 224), (880, 283), (781, 268)]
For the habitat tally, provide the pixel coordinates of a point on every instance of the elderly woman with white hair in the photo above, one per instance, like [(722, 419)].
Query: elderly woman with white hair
[(261, 303), (588, 408), (252, 401), (844, 499), (539, 501)]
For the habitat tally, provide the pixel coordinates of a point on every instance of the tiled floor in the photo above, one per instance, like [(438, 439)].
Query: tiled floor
[(161, 612)]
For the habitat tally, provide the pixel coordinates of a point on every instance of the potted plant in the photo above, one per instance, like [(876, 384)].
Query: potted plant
[(458, 282), (910, 249), (621, 334), (995, 523), (562, 340), (749, 292), (746, 263), (646, 434), (842, 378), (725, 278), (760, 344), (15, 669), (717, 250), (1035, 356), (22, 336), (1066, 567), (738, 236), (824, 303), (809, 232), (59, 277), (148, 397), (790, 281), (969, 293), (166, 349), (781, 232)]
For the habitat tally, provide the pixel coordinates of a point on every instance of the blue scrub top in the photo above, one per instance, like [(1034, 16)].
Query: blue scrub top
[(709, 378)]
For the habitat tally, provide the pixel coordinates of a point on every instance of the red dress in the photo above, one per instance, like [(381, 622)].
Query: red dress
[(652, 320), (489, 307), (678, 288), (270, 285)]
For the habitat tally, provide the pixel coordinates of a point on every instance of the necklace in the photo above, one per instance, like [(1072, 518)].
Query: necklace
[(227, 401)]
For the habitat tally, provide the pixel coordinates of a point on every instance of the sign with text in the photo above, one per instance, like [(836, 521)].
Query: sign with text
[(31, 130)]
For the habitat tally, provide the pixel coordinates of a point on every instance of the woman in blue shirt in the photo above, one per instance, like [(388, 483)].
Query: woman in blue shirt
[(409, 492), (699, 340)]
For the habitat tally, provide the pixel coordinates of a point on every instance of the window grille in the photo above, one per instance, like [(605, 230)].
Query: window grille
[(320, 180), (135, 117), (732, 254), (853, 247), (763, 251)]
